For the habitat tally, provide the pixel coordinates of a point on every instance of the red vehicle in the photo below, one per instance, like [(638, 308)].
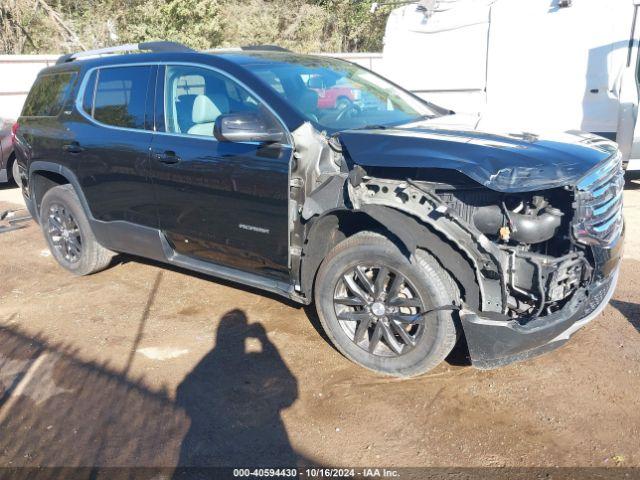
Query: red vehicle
[(332, 97)]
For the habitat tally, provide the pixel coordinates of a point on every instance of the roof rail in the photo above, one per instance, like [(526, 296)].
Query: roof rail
[(265, 48), (155, 47)]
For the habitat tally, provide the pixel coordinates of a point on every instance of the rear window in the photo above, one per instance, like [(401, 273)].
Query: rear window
[(117, 96), (49, 94)]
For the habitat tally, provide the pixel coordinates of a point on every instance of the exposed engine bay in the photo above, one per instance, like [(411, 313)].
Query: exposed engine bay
[(543, 266), (527, 262)]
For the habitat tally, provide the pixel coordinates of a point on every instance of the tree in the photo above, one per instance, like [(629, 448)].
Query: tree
[(195, 23), (60, 26), (353, 26)]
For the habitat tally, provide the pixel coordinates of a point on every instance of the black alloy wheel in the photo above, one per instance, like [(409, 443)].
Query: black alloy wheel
[(375, 304), (64, 233), (379, 309), (68, 233)]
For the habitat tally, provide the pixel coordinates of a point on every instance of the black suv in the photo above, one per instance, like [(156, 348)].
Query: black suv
[(407, 229)]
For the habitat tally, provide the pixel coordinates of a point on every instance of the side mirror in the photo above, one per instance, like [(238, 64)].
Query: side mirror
[(247, 127)]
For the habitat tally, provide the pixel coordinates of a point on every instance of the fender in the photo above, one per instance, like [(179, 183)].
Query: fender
[(43, 166)]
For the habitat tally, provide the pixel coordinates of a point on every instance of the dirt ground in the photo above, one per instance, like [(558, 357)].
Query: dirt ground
[(148, 365)]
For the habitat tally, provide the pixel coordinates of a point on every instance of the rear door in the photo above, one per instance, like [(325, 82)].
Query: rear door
[(111, 143), (223, 202)]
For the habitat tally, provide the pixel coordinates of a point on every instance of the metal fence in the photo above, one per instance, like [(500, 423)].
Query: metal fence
[(17, 73)]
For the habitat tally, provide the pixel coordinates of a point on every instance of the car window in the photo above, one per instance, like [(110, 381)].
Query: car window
[(195, 97), (273, 81), (119, 97), (338, 95), (48, 94)]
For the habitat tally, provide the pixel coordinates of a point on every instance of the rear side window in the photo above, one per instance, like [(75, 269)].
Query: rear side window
[(117, 96), (49, 94)]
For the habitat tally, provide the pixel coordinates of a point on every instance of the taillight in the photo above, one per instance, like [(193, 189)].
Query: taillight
[(14, 132)]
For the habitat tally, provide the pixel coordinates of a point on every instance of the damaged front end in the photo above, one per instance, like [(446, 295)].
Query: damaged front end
[(534, 265), (556, 253)]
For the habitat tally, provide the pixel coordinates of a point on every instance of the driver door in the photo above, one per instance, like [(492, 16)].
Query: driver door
[(218, 201)]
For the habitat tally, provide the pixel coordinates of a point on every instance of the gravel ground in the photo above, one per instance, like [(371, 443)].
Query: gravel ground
[(148, 365), (10, 194)]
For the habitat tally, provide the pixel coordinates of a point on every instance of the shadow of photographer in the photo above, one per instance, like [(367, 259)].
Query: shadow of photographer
[(234, 398), (66, 412)]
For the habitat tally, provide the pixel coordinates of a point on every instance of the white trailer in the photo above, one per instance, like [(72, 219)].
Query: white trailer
[(523, 64)]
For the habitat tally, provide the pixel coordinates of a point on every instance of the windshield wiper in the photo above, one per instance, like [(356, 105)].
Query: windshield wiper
[(425, 117)]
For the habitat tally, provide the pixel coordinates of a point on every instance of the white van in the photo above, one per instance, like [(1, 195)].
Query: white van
[(534, 64)]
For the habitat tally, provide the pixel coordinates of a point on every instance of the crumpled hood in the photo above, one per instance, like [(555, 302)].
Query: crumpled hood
[(505, 162)]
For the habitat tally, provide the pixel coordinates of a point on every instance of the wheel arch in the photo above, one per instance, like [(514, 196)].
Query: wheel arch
[(416, 234), (45, 175), (407, 232)]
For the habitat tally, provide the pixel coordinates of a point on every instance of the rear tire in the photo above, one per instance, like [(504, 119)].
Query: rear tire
[(68, 233), (366, 281)]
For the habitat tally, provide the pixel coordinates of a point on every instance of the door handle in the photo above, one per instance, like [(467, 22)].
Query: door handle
[(73, 147), (167, 157)]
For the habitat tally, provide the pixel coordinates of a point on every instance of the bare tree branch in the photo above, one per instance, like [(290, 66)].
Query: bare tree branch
[(57, 18)]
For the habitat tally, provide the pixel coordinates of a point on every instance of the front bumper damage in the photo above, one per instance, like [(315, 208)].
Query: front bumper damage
[(493, 338), (493, 343), (566, 286)]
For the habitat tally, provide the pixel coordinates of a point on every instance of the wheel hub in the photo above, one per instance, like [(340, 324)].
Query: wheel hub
[(64, 233), (378, 309)]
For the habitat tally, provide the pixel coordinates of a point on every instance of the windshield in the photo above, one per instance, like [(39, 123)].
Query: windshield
[(338, 95)]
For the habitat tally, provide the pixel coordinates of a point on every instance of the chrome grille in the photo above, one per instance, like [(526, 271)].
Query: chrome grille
[(598, 219)]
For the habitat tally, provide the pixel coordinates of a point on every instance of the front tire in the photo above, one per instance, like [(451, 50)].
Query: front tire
[(373, 303), (68, 233)]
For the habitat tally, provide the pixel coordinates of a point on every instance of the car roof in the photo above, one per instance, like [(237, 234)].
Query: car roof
[(241, 58)]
